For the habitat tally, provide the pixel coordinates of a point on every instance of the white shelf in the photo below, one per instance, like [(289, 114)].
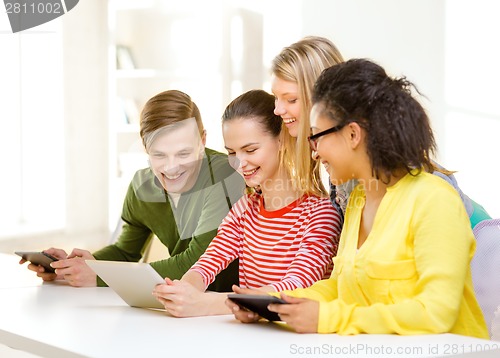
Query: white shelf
[(127, 128)]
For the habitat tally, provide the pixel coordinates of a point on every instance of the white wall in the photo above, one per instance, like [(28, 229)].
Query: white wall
[(85, 42), (405, 37), (472, 94), (84, 103), (86, 122)]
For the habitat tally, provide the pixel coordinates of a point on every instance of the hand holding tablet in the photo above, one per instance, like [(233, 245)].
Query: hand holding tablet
[(257, 304), (132, 281), (38, 258)]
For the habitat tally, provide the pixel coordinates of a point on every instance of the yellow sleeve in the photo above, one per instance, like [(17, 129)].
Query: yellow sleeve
[(324, 290), (443, 245)]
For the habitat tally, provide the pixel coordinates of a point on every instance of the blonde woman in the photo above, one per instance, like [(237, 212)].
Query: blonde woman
[(294, 72)]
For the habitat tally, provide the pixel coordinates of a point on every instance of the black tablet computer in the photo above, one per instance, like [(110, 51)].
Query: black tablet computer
[(38, 258), (257, 304)]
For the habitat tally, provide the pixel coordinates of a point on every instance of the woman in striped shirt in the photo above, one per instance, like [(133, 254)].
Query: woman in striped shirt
[(284, 238)]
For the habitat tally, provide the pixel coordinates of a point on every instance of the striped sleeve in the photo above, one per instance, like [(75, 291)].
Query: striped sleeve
[(224, 247), (313, 258)]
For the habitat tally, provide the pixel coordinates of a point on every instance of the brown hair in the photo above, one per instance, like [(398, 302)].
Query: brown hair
[(167, 109), (258, 105)]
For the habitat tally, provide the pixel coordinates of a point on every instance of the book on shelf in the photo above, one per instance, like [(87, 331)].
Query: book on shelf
[(124, 59), (128, 111)]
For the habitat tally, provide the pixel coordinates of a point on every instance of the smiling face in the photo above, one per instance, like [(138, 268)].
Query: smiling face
[(287, 103), (176, 155), (332, 149), (253, 152)]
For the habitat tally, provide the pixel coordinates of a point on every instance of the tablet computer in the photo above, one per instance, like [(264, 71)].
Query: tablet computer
[(132, 281), (257, 304), (38, 258)]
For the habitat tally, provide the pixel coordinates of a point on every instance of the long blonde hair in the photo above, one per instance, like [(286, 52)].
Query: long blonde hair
[(302, 63)]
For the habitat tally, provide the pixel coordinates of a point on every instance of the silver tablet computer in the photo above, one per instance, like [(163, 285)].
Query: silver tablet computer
[(132, 281)]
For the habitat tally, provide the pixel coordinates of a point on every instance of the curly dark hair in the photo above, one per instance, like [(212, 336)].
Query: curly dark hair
[(399, 135)]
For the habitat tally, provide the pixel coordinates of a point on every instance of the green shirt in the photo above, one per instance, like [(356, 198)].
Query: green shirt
[(186, 230)]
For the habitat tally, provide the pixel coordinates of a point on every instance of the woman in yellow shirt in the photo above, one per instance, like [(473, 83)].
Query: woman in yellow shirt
[(403, 260)]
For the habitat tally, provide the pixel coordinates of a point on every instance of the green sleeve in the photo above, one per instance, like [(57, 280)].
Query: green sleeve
[(479, 214), (177, 265), (129, 246)]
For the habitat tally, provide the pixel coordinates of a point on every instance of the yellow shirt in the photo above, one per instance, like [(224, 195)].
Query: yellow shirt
[(412, 274)]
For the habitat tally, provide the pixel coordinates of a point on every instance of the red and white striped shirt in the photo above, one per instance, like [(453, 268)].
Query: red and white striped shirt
[(288, 248)]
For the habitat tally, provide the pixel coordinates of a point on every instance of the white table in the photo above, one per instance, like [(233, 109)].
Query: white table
[(56, 320)]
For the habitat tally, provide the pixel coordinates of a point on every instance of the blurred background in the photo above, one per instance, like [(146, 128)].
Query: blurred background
[(71, 91)]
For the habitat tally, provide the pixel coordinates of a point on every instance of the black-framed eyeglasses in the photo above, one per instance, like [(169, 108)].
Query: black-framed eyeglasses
[(313, 139)]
